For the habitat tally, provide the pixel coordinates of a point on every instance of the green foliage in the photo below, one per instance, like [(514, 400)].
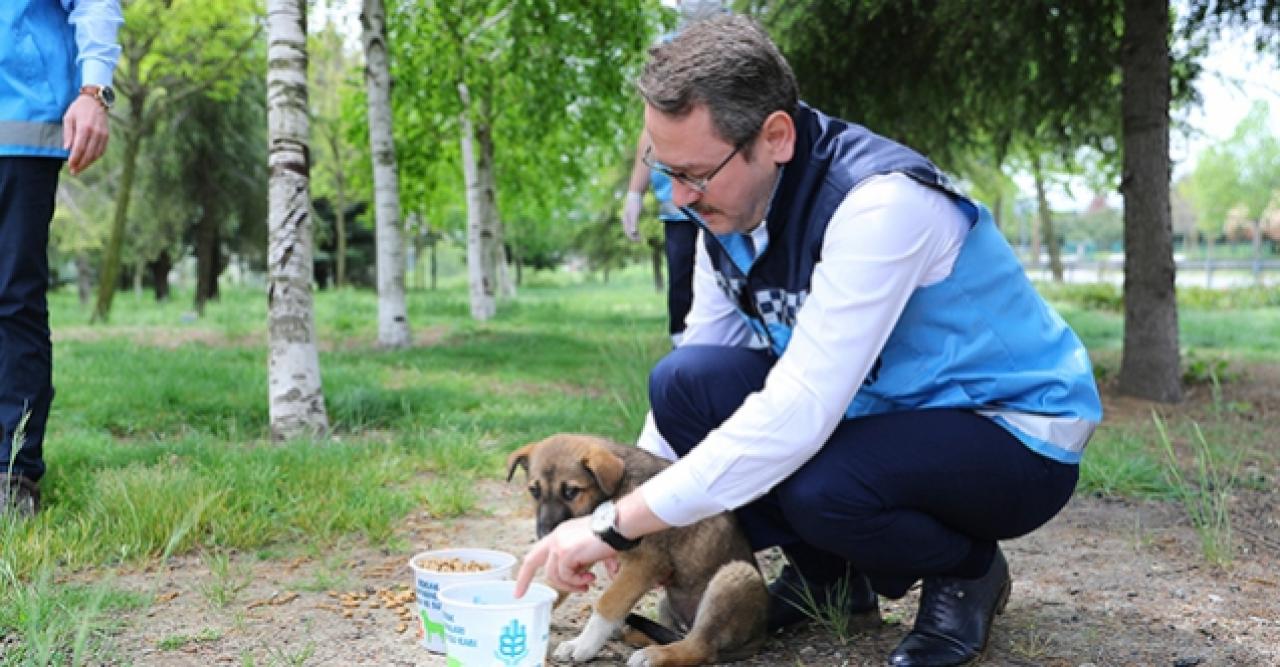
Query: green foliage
[(1239, 298), (1243, 171), (1045, 78), (1198, 368), (1109, 298), (548, 77), (1090, 296)]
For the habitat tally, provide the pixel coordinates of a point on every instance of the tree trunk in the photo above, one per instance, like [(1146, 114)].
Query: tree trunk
[(1256, 227), (496, 259), (84, 278), (110, 270), (207, 259), (393, 319), (339, 214), (139, 269), (480, 277), (435, 242), (296, 397), (658, 257), (160, 268), (1046, 222), (1150, 365)]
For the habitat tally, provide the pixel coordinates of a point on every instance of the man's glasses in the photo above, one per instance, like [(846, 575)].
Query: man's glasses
[(693, 183)]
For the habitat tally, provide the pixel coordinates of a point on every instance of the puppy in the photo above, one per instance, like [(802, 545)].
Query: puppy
[(714, 589)]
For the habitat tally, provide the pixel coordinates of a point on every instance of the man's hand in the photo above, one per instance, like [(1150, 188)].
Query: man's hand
[(568, 554), (84, 131), (631, 215)]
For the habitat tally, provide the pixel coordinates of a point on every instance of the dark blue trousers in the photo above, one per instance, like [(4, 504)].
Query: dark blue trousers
[(28, 187), (898, 496), (681, 241)]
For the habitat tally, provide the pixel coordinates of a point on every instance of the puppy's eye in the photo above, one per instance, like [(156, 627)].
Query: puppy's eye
[(535, 491), (569, 492)]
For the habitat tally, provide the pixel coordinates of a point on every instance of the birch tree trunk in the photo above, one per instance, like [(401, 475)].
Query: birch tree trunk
[(496, 263), (293, 368), (393, 321), (480, 273)]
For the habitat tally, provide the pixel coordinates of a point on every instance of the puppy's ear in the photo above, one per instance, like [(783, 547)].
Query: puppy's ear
[(605, 466), (520, 457)]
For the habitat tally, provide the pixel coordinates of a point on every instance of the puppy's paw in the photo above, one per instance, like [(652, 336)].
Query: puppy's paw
[(575, 650), (640, 658)]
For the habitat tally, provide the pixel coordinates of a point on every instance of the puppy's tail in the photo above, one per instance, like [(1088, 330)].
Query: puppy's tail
[(659, 633)]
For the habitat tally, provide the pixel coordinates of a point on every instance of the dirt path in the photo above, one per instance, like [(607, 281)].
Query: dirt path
[(1106, 583)]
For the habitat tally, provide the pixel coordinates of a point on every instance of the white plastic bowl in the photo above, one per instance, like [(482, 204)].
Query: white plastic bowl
[(487, 626), (427, 583)]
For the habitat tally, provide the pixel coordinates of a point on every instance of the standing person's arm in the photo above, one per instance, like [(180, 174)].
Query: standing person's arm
[(635, 191), (85, 127)]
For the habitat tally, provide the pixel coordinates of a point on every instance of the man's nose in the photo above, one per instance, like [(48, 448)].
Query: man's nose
[(682, 194)]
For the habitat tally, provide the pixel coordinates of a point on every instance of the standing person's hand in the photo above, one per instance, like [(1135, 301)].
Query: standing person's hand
[(84, 131), (568, 554), (631, 215)]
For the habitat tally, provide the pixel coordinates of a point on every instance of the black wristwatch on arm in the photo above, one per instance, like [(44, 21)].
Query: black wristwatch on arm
[(604, 523), (104, 95)]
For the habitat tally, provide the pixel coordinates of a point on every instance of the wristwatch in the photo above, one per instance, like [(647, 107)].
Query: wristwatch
[(604, 523), (105, 95)]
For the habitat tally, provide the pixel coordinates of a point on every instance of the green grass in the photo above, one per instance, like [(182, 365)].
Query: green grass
[(1123, 461), (158, 442), (1206, 494)]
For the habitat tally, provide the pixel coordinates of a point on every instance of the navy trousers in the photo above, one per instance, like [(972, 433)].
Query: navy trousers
[(898, 496), (681, 241), (28, 188)]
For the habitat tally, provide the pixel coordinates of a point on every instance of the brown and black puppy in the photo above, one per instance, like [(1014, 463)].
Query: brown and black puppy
[(714, 589)]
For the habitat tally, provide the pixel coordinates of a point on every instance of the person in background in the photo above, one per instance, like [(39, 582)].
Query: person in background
[(57, 60), (680, 234), (868, 378)]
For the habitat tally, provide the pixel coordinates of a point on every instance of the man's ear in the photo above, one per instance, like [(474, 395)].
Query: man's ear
[(606, 467), (520, 457), (778, 135)]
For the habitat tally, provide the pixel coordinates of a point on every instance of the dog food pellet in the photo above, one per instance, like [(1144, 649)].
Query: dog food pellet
[(452, 565)]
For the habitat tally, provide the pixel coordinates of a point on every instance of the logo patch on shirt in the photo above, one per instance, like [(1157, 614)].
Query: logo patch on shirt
[(777, 306)]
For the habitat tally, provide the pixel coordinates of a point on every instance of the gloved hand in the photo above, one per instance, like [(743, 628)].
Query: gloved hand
[(631, 215)]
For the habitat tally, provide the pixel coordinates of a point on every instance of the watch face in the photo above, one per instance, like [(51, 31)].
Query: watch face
[(602, 518), (108, 95)]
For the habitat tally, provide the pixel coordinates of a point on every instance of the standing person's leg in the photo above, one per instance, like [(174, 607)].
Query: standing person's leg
[(927, 495), (28, 188), (691, 391), (681, 238)]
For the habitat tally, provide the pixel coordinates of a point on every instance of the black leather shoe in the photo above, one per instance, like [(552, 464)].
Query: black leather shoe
[(794, 600), (954, 620), (19, 496)]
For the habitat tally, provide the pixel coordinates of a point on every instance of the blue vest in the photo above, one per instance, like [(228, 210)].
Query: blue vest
[(38, 76), (1017, 361)]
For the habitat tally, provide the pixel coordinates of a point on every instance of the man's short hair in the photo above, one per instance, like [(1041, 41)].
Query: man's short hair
[(727, 63)]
